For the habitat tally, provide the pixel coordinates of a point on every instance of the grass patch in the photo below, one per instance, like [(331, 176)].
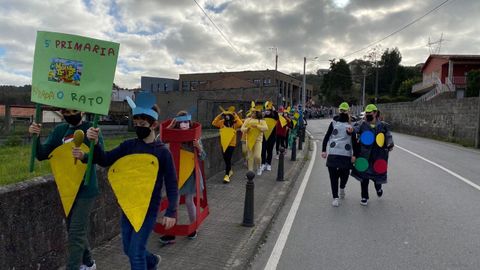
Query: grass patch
[(15, 161)]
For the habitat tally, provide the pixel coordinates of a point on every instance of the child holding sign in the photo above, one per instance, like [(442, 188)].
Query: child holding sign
[(140, 168), (78, 216)]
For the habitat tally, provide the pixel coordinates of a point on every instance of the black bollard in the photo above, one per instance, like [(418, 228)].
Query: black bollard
[(281, 164), (300, 145), (294, 149), (304, 130), (248, 207)]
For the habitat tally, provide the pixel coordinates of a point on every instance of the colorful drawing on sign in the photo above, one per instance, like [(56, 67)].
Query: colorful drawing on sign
[(65, 71)]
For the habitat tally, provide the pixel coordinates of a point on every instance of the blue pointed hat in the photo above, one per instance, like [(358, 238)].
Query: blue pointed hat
[(143, 104)]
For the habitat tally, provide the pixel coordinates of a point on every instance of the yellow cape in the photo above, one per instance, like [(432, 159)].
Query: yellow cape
[(68, 175), (226, 136), (271, 123), (132, 179)]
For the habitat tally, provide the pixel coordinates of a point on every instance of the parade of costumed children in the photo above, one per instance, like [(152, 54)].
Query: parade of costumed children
[(228, 122), (254, 126), (375, 142)]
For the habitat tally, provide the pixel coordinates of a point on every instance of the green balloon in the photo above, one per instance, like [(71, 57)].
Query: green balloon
[(361, 164)]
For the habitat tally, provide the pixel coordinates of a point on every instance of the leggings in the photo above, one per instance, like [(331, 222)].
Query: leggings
[(227, 157), (364, 184), (267, 149), (336, 173), (281, 141), (254, 156)]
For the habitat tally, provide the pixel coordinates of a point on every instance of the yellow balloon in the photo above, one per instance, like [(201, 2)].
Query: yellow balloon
[(226, 136), (68, 175), (132, 179), (380, 139)]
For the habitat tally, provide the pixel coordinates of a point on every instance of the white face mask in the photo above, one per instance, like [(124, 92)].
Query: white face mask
[(184, 125)]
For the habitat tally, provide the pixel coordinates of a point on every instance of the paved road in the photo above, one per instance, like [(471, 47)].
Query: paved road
[(428, 218)]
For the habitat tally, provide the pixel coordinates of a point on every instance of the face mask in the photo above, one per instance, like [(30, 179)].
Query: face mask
[(343, 117), (369, 117), (258, 115), (142, 132), (267, 112), (73, 119), (184, 125)]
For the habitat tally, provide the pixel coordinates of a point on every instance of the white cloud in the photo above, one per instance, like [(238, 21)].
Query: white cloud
[(154, 35)]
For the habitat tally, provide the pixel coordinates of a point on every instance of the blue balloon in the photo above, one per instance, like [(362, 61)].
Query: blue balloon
[(367, 138)]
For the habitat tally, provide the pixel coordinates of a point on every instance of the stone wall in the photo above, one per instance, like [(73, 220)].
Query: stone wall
[(32, 227), (452, 120)]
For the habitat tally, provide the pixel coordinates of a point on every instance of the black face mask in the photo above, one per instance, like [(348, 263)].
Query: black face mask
[(73, 119), (343, 117), (142, 132), (369, 117), (258, 115)]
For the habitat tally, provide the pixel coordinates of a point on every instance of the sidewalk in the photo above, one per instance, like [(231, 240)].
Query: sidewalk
[(222, 242)]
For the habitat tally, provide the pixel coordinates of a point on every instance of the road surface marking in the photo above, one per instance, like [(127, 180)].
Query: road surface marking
[(287, 226), (443, 168)]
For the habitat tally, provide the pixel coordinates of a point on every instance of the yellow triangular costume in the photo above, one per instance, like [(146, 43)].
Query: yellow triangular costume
[(271, 123), (187, 164), (226, 136), (68, 175), (132, 179)]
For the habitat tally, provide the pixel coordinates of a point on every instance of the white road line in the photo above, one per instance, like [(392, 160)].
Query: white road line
[(287, 226), (442, 168)]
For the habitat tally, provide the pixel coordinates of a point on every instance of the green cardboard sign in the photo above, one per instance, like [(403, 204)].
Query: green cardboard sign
[(73, 72)]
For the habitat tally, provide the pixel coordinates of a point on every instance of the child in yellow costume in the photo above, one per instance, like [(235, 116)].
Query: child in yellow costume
[(139, 169), (253, 127), (183, 121), (77, 199), (228, 122)]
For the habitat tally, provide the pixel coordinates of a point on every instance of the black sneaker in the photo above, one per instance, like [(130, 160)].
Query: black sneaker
[(380, 193), (167, 239), (192, 236), (364, 202), (159, 260)]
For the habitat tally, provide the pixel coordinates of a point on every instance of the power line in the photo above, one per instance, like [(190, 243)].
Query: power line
[(398, 30), (218, 29)]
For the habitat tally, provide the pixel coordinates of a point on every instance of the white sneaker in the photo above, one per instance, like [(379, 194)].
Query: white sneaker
[(364, 202), (342, 193), (263, 166), (277, 156), (259, 171), (269, 167), (84, 267), (335, 202)]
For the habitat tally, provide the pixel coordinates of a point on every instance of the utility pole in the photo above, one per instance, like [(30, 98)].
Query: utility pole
[(477, 135), (304, 83), (363, 89), (376, 81)]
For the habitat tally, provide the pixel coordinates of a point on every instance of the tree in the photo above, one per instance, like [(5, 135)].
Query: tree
[(473, 83), (337, 83), (389, 63)]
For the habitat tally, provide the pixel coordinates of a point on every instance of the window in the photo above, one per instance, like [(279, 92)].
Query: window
[(165, 87), (267, 81), (185, 85), (257, 82)]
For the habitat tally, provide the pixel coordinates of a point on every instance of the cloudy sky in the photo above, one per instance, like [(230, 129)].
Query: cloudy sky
[(167, 37)]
